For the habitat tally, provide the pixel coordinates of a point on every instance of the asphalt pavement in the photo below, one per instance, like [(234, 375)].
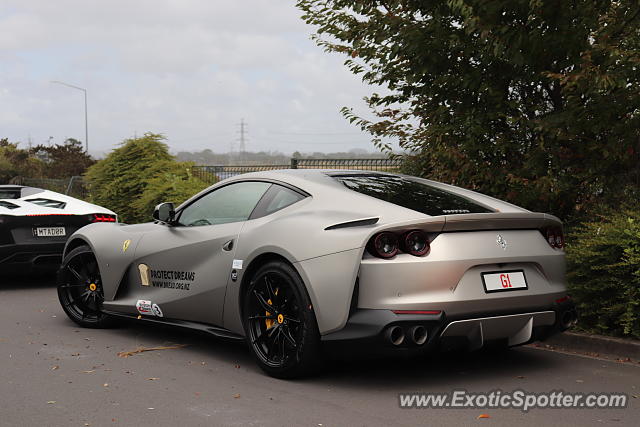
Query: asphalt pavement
[(54, 373)]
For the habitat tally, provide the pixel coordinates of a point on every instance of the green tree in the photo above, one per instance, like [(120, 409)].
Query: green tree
[(63, 160), (139, 174), (17, 162), (535, 101)]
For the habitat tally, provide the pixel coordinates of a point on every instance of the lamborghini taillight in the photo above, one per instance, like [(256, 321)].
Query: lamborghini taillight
[(103, 218)]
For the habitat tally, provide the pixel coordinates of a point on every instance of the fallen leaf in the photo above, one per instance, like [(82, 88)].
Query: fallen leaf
[(105, 385), (153, 379), (51, 402), (88, 372), (53, 368), (520, 376), (143, 349), (236, 396), (484, 416)]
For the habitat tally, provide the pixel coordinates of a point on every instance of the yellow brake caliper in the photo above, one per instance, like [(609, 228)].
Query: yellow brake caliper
[(270, 322)]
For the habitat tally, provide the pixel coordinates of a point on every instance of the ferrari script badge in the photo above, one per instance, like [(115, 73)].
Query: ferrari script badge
[(125, 245), (503, 243)]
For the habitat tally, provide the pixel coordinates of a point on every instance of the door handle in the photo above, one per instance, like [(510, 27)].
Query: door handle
[(228, 246)]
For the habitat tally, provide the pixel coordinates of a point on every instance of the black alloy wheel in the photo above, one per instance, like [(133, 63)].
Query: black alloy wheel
[(80, 289), (280, 325)]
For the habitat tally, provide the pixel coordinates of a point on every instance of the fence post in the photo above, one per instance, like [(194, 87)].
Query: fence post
[(73, 178), (294, 163)]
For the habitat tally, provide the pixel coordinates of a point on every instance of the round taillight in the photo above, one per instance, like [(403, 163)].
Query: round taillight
[(416, 243), (384, 245)]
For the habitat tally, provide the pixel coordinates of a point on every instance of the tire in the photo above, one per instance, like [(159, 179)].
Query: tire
[(80, 289), (279, 322)]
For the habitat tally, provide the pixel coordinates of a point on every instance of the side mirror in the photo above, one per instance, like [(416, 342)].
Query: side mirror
[(164, 212)]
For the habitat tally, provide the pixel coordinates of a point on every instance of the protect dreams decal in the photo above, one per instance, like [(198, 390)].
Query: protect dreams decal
[(170, 279)]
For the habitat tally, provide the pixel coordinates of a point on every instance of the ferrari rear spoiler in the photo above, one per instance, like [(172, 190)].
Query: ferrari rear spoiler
[(478, 221), (499, 221), (462, 222)]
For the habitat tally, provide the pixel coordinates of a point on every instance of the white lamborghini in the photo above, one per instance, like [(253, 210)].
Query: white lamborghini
[(35, 225)]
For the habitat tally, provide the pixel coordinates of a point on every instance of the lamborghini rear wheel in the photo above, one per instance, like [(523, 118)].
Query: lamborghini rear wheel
[(279, 322), (80, 289)]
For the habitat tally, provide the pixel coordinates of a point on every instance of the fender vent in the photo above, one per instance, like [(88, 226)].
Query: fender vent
[(356, 223)]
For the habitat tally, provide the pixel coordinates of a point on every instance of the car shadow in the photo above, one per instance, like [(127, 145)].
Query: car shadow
[(21, 281), (397, 372), (462, 368)]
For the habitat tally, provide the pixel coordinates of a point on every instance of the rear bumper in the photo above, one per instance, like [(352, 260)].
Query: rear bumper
[(383, 328), (18, 257)]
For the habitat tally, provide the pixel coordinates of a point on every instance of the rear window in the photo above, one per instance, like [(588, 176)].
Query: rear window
[(9, 194), (411, 194)]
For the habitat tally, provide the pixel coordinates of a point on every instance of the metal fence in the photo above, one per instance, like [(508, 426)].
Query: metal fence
[(74, 186), (212, 174), (77, 187), (380, 165)]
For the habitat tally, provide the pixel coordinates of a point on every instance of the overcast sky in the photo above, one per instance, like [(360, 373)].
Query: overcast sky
[(188, 69)]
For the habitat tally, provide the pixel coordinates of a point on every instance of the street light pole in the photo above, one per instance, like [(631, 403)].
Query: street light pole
[(86, 125)]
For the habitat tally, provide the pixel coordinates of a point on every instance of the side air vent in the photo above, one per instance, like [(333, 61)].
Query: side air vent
[(356, 223)]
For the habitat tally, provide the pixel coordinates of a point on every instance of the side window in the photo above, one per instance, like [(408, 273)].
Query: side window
[(278, 197), (231, 203)]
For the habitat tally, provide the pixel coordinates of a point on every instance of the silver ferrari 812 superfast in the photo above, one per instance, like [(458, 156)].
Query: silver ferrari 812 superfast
[(291, 260)]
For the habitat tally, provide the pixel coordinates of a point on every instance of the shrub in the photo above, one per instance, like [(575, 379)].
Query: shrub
[(174, 186), (604, 273), (138, 174)]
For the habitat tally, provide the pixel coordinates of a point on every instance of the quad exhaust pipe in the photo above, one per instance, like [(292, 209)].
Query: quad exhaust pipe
[(395, 335), (416, 335)]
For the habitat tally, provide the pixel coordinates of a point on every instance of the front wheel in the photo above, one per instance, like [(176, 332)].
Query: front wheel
[(279, 322), (80, 289)]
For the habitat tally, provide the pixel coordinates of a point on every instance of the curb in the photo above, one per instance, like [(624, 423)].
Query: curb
[(619, 348)]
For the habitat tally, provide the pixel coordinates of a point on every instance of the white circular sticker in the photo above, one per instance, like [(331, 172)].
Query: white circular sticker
[(155, 308)]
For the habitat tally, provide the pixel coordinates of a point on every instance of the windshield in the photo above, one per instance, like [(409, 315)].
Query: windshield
[(412, 194)]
